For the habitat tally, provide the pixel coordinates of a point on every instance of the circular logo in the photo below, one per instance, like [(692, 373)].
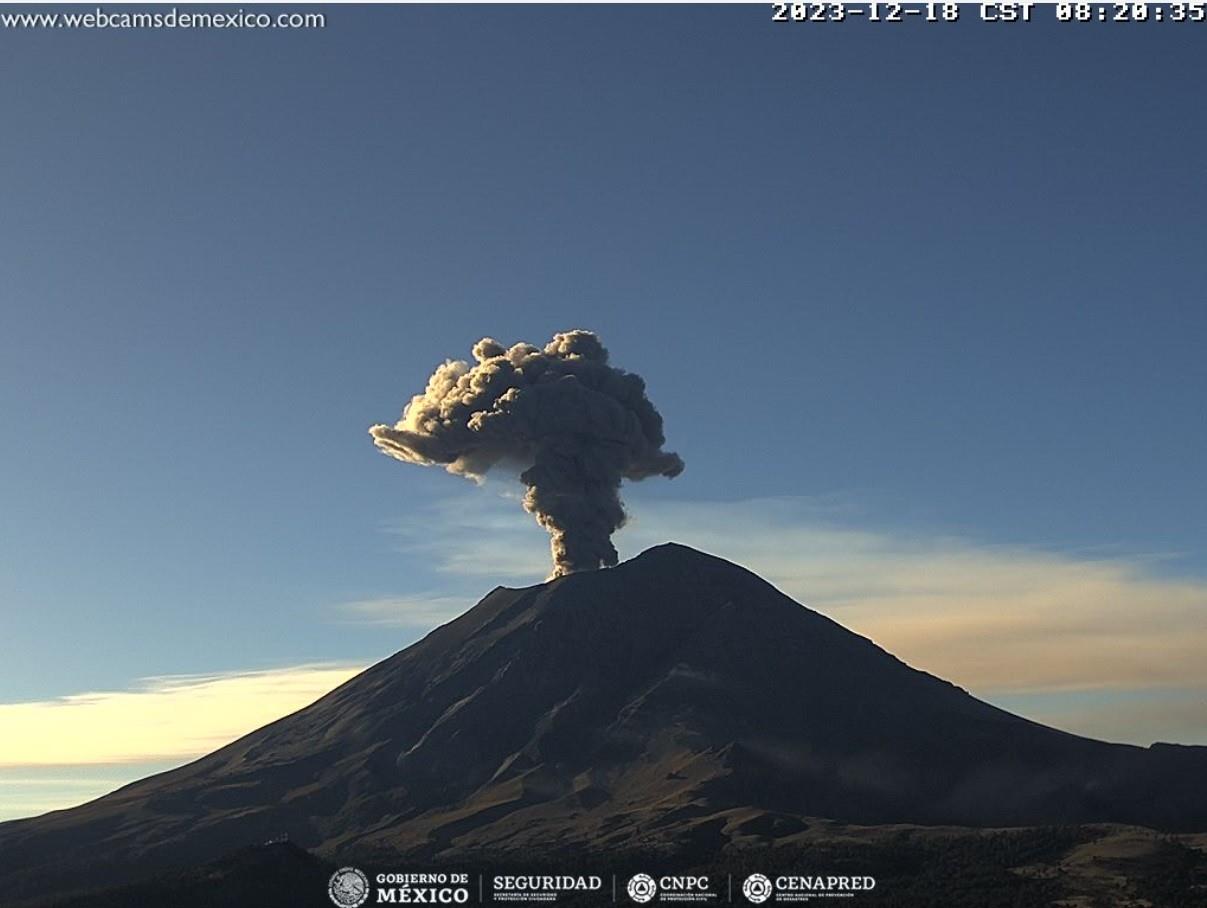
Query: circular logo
[(757, 888), (642, 887), (349, 888)]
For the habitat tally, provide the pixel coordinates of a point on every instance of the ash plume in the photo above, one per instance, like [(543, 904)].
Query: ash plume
[(572, 425)]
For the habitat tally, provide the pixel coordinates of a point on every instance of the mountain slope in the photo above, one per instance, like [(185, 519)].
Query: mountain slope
[(675, 701)]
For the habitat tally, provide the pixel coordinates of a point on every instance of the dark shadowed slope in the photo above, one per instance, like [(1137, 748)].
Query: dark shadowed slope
[(675, 700)]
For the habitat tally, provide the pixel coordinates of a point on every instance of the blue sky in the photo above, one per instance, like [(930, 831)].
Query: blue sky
[(939, 287)]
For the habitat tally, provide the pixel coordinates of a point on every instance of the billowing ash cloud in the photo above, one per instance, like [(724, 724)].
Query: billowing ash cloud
[(571, 424)]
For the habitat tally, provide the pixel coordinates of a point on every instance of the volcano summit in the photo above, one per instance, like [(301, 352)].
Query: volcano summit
[(676, 703)]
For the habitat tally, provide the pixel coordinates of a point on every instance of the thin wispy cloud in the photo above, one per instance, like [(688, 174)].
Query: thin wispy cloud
[(504, 546), (1031, 630), (988, 617), (998, 620), (421, 612), (159, 719), (1103, 646)]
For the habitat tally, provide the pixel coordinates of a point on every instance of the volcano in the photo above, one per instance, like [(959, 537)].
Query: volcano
[(674, 703)]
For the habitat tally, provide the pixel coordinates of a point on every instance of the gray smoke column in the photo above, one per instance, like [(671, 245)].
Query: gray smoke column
[(569, 423)]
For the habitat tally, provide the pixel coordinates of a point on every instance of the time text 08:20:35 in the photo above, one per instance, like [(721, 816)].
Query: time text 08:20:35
[(989, 12)]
